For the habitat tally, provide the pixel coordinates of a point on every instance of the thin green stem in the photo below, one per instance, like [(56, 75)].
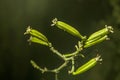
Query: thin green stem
[(62, 66), (78, 47), (56, 76), (73, 67), (58, 53)]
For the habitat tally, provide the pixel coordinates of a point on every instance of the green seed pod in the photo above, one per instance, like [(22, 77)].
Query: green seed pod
[(67, 28), (91, 43), (102, 32), (39, 41), (87, 65), (92, 40), (36, 33)]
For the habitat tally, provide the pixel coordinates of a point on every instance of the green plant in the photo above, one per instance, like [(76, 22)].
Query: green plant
[(95, 38)]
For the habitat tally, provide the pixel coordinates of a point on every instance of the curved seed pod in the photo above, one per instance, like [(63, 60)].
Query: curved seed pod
[(96, 41), (102, 32), (36, 33), (67, 28), (87, 65), (39, 41)]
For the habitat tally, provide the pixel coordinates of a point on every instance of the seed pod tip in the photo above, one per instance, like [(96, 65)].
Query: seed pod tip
[(54, 21), (28, 30)]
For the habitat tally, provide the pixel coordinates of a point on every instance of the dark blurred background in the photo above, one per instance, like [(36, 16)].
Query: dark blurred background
[(87, 16)]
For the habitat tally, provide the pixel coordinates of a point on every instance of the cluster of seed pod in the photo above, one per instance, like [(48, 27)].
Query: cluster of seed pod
[(37, 37), (98, 36), (93, 39)]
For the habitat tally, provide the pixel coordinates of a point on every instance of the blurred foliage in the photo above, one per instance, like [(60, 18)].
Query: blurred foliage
[(90, 15)]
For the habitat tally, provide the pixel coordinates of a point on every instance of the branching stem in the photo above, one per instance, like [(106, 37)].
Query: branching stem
[(65, 57)]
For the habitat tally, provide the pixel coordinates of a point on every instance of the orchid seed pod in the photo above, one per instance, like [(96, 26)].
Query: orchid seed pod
[(92, 40), (102, 32), (37, 40), (36, 33), (91, 63), (91, 43), (67, 28)]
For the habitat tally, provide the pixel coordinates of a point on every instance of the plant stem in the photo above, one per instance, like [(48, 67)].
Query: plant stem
[(58, 53)]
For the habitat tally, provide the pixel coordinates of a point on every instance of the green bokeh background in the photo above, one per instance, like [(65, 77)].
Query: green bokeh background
[(87, 16)]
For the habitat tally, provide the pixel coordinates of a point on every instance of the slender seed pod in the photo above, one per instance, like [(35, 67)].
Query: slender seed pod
[(67, 28), (91, 63), (92, 40), (36, 33), (102, 32), (39, 41), (96, 41)]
